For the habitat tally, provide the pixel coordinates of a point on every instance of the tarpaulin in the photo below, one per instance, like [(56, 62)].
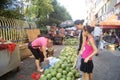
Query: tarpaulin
[(11, 47), (111, 22)]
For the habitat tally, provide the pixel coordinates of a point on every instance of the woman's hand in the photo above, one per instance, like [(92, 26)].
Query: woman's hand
[(80, 52), (86, 59), (46, 59)]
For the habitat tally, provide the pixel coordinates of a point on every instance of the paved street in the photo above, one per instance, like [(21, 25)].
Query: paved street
[(106, 67)]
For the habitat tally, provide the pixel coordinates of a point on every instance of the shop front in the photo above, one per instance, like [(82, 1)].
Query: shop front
[(111, 25)]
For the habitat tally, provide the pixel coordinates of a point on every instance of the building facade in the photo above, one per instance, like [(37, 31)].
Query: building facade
[(102, 9)]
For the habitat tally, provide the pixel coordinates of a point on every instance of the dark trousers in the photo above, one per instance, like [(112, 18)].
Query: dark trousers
[(36, 52)]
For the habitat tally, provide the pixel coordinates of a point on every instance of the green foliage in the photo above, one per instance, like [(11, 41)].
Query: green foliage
[(59, 15), (7, 11), (44, 12), (39, 9), (3, 4), (11, 14), (43, 29)]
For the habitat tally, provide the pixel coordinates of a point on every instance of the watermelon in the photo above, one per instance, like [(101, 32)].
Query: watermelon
[(68, 78), (49, 76), (54, 73), (59, 75), (54, 78), (62, 79), (77, 75), (59, 70), (64, 72), (63, 66), (43, 78)]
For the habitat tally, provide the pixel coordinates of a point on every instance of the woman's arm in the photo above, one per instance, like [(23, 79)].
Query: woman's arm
[(44, 52), (92, 43)]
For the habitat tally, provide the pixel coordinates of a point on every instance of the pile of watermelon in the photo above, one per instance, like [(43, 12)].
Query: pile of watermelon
[(71, 41), (63, 70)]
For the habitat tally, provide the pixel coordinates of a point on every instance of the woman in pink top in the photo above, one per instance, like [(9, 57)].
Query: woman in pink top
[(87, 52), (38, 49)]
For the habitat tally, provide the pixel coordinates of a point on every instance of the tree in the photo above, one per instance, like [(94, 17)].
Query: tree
[(10, 9), (39, 9), (3, 4), (59, 15)]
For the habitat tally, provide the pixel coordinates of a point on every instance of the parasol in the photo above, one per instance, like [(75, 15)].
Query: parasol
[(111, 22), (67, 23)]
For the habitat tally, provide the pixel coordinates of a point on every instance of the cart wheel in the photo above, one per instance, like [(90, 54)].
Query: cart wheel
[(16, 69)]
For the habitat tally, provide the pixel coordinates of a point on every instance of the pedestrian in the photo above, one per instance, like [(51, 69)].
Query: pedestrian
[(38, 49), (62, 34), (79, 26), (97, 33), (72, 34), (87, 52)]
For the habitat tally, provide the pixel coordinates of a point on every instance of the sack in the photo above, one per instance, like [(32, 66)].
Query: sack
[(78, 63)]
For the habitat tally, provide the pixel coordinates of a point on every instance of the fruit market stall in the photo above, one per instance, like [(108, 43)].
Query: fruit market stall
[(64, 68), (112, 26)]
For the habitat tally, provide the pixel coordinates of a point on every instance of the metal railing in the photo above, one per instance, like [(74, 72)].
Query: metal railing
[(12, 30)]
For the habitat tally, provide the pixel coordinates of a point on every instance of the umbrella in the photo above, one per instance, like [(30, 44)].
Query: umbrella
[(67, 23), (111, 22)]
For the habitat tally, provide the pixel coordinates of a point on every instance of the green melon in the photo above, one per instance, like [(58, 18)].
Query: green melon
[(46, 72), (77, 75), (61, 79), (54, 78), (68, 78), (70, 74), (43, 78), (59, 75), (53, 73), (49, 76), (63, 66), (59, 70), (64, 72)]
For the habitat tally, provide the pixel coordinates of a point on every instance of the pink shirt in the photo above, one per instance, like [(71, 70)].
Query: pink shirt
[(88, 50), (39, 42)]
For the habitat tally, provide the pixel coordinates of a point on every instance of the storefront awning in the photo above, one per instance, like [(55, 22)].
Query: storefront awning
[(111, 22)]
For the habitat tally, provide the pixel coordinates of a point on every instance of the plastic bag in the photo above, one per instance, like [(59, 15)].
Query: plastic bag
[(53, 60), (78, 63)]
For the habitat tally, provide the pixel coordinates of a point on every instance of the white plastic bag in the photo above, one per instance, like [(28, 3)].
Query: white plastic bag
[(78, 63), (53, 60)]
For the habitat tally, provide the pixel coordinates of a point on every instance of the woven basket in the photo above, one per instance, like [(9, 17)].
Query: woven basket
[(24, 51), (111, 47)]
